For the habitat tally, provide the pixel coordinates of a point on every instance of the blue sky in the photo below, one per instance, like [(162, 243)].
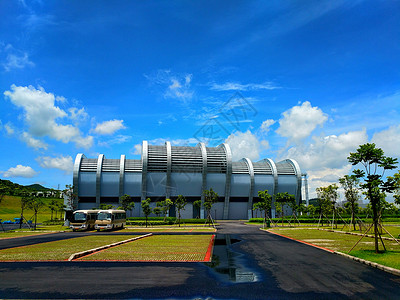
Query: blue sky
[(309, 80)]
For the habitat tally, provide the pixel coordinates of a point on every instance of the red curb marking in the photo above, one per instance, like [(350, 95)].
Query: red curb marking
[(207, 258), (303, 242)]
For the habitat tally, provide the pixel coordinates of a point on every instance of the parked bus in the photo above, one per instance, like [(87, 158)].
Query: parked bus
[(110, 219), (83, 219)]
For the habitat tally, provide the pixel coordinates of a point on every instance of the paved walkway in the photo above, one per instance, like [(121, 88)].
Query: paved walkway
[(281, 268)]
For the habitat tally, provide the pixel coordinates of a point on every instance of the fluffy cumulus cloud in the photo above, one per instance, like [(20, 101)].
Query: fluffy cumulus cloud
[(137, 149), (32, 142), (266, 125), (20, 171), (300, 121), (389, 141), (109, 127), (327, 152), (325, 159), (244, 144), (63, 163), (42, 116)]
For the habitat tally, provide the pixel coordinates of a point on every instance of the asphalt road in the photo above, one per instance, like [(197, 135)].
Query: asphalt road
[(247, 264)]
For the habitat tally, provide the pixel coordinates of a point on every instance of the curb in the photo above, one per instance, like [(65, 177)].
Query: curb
[(86, 252), (363, 261)]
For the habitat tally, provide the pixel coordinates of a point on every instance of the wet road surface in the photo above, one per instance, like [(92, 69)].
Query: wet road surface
[(247, 264)]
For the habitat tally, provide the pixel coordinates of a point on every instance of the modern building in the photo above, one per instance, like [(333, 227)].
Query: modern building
[(168, 171)]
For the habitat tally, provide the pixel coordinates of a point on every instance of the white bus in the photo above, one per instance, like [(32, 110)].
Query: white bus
[(83, 219), (110, 219)]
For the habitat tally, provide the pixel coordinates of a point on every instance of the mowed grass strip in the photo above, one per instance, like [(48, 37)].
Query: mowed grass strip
[(168, 229), (183, 248), (344, 242), (58, 250)]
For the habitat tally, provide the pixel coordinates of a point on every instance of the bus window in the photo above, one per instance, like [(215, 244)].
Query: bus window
[(104, 216), (80, 216)]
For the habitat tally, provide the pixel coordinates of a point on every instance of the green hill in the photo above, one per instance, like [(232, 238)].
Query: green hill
[(36, 187)]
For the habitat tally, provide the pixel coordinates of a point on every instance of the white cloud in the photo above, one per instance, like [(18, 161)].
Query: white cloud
[(299, 121), (175, 86), (109, 127), (63, 163), (78, 115), (235, 86), (32, 142), (180, 88), (138, 149), (9, 129), (41, 115), (265, 126), (244, 144), (20, 171), (119, 139), (327, 152), (14, 58), (388, 140)]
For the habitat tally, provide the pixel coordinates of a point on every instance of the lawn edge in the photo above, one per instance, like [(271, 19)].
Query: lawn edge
[(361, 260), (90, 251)]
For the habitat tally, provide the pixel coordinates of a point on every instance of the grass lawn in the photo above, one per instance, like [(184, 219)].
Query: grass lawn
[(169, 229), (59, 250), (343, 243), (158, 248), (10, 208)]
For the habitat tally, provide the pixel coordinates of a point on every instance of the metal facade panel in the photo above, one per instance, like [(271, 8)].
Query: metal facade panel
[(217, 183), (87, 184), (133, 184), (238, 211), (287, 183), (240, 185), (186, 184), (262, 183), (156, 183), (109, 184)]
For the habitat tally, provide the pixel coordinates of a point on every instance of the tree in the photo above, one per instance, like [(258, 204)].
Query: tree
[(311, 209), (197, 205), (53, 207), (165, 206), (36, 204), (146, 208), (210, 197), (284, 198), (395, 179), (25, 199), (105, 206), (329, 196), (180, 204), (126, 203), (264, 204), (157, 210), (350, 184), (375, 164)]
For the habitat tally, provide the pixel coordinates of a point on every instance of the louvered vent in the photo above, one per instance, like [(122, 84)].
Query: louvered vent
[(110, 165), (285, 168), (157, 159), (240, 167), (216, 160), (133, 165), (262, 167), (186, 159), (88, 165)]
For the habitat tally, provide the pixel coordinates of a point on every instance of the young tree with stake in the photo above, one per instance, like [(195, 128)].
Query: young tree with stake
[(375, 164)]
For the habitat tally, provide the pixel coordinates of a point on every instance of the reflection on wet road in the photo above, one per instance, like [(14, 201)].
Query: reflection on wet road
[(228, 265)]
